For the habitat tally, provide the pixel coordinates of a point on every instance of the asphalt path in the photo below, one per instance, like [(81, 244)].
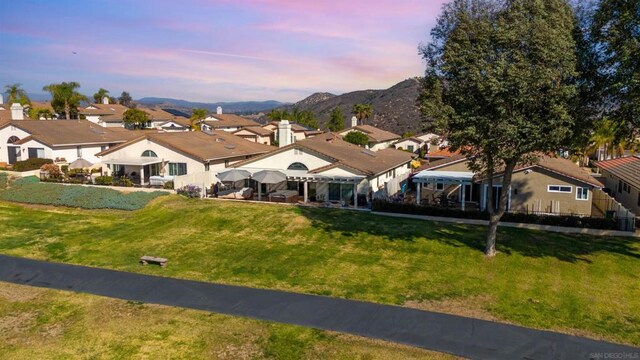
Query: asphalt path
[(457, 335)]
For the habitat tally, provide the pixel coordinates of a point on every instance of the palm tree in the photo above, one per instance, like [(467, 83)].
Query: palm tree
[(97, 97), (605, 137), (361, 111), (17, 94), (65, 97), (197, 115)]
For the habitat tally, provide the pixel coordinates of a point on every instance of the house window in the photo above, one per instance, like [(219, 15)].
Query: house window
[(582, 193), (298, 166), (79, 151), (226, 163), (638, 198), (176, 169), (149, 153), (410, 148), (559, 188), (118, 170), (206, 167), (439, 186), (334, 192), (620, 186), (103, 148), (36, 153)]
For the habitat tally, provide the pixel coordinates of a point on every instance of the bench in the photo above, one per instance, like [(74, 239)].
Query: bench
[(152, 259)]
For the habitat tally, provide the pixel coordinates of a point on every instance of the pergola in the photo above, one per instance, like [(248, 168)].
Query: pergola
[(140, 162), (461, 178)]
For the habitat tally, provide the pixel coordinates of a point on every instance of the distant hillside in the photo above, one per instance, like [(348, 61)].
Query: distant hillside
[(227, 107), (394, 109)]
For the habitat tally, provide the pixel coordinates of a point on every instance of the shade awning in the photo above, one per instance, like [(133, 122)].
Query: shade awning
[(457, 177), (139, 161), (233, 175)]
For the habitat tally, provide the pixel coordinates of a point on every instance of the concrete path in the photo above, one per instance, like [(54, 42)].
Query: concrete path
[(472, 338)]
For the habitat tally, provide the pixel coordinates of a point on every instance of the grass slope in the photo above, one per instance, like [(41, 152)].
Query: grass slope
[(47, 324), (577, 284)]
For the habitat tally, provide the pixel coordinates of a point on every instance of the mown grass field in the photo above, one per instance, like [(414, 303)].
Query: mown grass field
[(46, 324), (577, 284)]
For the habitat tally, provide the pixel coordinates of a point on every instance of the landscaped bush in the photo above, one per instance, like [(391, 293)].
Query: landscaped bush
[(76, 196), (553, 220), (191, 191), (103, 180), (30, 164), (51, 170), (168, 185)]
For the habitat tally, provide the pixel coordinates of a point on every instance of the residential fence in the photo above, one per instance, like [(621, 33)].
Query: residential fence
[(613, 209), (201, 179)]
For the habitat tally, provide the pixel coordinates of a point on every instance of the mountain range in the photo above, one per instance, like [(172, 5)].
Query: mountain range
[(239, 107), (394, 109)]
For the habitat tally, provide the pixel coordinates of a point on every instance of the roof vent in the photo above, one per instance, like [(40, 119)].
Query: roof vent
[(220, 140), (369, 152), (230, 146)]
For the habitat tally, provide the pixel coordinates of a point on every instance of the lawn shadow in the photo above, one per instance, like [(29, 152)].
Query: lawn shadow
[(530, 243)]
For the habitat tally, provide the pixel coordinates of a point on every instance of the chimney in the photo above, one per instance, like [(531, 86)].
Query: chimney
[(1, 99), (219, 110), (354, 121), (17, 111), (284, 133), (105, 100)]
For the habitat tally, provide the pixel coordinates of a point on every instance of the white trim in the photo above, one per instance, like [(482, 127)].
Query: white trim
[(583, 189), (559, 189)]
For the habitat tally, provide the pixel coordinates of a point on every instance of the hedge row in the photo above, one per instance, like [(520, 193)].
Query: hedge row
[(30, 164), (77, 196), (553, 220)]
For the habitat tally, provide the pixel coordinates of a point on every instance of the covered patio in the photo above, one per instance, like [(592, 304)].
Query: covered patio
[(440, 181), (278, 185), (138, 169)]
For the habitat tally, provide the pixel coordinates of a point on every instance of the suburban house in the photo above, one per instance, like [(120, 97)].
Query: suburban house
[(552, 186), (226, 122), (298, 132), (13, 111), (411, 144), (378, 139), (170, 154), (255, 134), (326, 168), (63, 141), (111, 115), (622, 177)]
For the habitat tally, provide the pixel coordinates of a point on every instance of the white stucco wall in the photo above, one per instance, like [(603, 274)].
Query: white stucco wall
[(5, 134), (284, 159)]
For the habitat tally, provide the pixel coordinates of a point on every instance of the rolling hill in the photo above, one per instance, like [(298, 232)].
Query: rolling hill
[(394, 109)]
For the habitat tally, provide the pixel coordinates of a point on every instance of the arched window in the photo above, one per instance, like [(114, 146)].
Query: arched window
[(13, 139), (149, 153), (298, 166)]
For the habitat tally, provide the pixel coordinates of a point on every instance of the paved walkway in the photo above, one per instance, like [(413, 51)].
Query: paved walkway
[(456, 335)]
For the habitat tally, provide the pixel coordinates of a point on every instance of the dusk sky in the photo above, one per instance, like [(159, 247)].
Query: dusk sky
[(214, 50)]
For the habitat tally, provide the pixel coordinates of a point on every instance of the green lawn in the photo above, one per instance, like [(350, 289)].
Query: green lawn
[(571, 283), (47, 324)]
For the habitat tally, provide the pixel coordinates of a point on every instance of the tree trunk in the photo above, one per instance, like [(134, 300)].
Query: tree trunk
[(496, 214), (67, 110)]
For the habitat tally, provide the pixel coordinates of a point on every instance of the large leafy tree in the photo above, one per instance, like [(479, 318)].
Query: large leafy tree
[(16, 94), (98, 96), (278, 114), (65, 98), (135, 118), (197, 115), (356, 138), (125, 99), (616, 34), (499, 83), (304, 117), (362, 112), (336, 122)]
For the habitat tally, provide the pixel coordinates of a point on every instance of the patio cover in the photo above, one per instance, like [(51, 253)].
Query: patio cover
[(446, 177), (138, 161)]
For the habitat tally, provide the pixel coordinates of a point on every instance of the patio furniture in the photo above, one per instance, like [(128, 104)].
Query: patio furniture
[(284, 196), (152, 259), (159, 180), (239, 194)]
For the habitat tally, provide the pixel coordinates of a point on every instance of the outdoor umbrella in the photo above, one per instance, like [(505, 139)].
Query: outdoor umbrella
[(80, 164), (234, 175), (268, 177)]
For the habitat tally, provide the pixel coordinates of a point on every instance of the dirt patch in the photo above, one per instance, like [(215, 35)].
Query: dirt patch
[(16, 293), (469, 307), (13, 326)]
